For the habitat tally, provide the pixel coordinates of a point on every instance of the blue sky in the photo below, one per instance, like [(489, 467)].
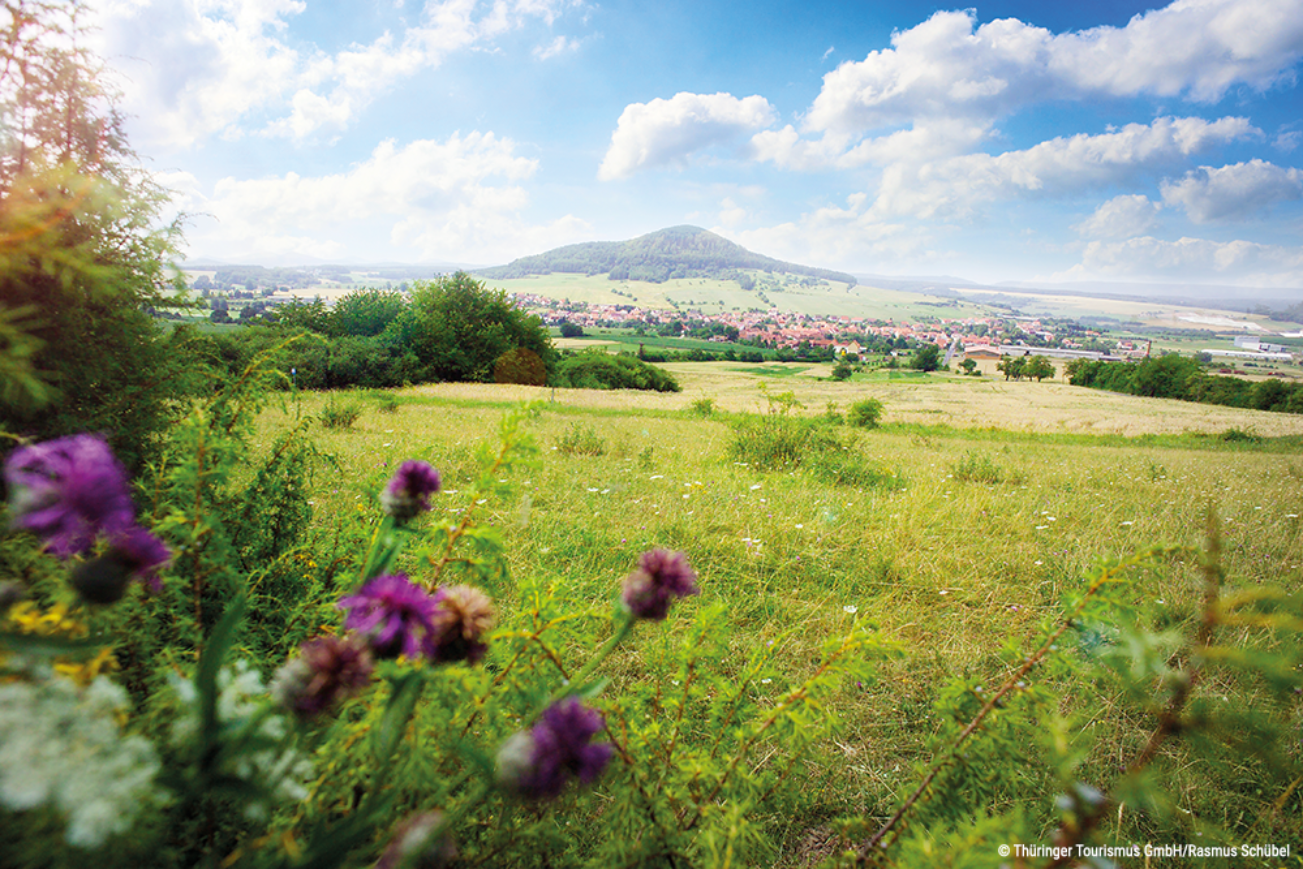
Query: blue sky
[(1015, 140)]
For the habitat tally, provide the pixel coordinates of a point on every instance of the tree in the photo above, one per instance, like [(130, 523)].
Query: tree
[(1039, 367), (842, 370), (970, 367), (926, 358), (366, 312), (82, 254), (1013, 366), (460, 328), (571, 330)]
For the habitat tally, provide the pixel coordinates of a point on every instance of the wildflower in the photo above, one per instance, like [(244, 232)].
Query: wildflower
[(419, 841), (462, 616), (61, 746), (409, 490), (277, 773), (68, 491), (133, 553), (395, 614), (536, 763), (661, 576), (327, 670)]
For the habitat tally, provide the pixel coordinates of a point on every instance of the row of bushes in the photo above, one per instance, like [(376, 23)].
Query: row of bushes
[(1184, 378), (320, 362)]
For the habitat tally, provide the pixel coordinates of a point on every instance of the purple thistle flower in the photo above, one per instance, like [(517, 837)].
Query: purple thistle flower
[(463, 614), (133, 554), (409, 490), (69, 491), (536, 763), (327, 670), (395, 614), (660, 577)]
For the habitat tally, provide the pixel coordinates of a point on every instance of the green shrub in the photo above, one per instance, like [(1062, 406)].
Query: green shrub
[(340, 415), (702, 407), (865, 414), (581, 441), (974, 468), (599, 370)]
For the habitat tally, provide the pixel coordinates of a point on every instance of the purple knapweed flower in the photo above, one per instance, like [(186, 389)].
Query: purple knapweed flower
[(327, 670), (69, 491), (133, 553), (661, 576), (409, 490), (420, 842), (462, 617), (394, 614), (536, 763)]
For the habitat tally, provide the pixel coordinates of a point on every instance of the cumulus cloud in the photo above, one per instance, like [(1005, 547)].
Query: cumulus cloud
[(1121, 217), (459, 198), (1237, 191), (954, 187), (1198, 259), (948, 67), (197, 68), (667, 132), (947, 81)]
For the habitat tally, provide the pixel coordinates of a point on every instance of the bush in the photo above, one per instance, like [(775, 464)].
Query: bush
[(865, 413), (973, 468), (599, 370), (702, 407), (337, 415), (581, 441)]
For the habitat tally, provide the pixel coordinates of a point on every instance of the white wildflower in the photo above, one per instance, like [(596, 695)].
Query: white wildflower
[(61, 745)]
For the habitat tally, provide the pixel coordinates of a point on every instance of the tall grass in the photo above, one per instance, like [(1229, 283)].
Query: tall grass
[(950, 570)]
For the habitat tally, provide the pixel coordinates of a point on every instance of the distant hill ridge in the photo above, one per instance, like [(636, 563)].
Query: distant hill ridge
[(677, 252)]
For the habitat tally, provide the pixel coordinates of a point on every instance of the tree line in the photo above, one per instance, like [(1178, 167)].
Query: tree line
[(1181, 377)]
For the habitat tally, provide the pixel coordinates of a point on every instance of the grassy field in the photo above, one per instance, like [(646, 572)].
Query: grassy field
[(713, 297), (948, 568)]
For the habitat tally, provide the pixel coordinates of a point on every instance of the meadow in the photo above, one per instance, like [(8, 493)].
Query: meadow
[(1003, 497)]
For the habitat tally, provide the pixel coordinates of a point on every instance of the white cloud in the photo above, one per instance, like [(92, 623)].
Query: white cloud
[(667, 132), (947, 81), (1121, 217), (560, 45), (456, 199), (947, 67), (1237, 191), (196, 68), (1197, 259), (954, 187)]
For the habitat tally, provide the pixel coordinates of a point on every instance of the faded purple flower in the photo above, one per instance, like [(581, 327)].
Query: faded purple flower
[(536, 763), (660, 577), (69, 491), (462, 616), (394, 614), (327, 670), (420, 842), (133, 553), (409, 490)]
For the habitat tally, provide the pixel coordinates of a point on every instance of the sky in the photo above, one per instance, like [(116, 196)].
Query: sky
[(1013, 140)]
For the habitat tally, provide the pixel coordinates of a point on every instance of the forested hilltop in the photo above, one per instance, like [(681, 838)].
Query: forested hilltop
[(677, 252)]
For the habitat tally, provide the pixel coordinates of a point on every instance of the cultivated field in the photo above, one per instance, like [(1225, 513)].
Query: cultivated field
[(947, 566)]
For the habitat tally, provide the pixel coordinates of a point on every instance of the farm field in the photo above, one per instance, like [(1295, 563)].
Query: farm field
[(946, 565), (712, 297)]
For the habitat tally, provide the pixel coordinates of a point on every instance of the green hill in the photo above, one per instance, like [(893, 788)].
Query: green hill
[(677, 252)]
